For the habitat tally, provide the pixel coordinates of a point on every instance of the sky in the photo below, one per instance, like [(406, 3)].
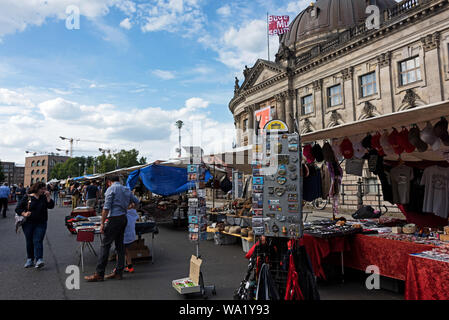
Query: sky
[(123, 76)]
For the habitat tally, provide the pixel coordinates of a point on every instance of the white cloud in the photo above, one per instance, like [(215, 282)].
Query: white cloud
[(126, 24), (150, 130), (296, 7), (164, 74), (224, 11)]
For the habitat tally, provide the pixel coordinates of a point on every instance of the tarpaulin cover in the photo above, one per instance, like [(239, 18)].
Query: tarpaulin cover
[(163, 180)]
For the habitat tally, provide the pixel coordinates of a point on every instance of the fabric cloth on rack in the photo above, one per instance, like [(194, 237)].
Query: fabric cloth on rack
[(436, 195), (401, 177), (266, 288), (312, 185), (325, 181)]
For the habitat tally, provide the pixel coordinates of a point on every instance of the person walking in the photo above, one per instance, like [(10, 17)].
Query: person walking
[(91, 195), (34, 207), (117, 200), (75, 192), (5, 193), (55, 193), (20, 192)]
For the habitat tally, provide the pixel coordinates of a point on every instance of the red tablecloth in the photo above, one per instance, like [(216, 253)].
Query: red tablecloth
[(361, 251), (427, 279), (318, 249), (391, 256)]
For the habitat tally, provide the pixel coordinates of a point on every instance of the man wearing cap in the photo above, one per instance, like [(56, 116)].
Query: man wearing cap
[(117, 200)]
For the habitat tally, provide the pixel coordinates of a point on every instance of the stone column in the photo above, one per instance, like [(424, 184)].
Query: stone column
[(280, 106), (289, 114), (238, 129), (348, 92), (385, 85), (250, 112), (431, 44), (317, 89)]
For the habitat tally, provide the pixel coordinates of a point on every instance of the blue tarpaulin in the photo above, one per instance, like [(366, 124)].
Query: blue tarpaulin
[(162, 180)]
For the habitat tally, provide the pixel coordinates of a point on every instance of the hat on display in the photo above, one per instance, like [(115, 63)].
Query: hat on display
[(328, 153), (440, 131), (387, 148), (375, 144), (415, 139), (403, 140), (429, 137), (336, 148), (317, 152), (359, 150), (346, 148), (394, 140), (366, 142), (307, 152)]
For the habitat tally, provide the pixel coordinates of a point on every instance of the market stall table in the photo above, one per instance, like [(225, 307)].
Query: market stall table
[(391, 256), (427, 279)]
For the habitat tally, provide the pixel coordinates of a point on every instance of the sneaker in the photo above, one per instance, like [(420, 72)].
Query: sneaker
[(29, 263), (130, 270), (39, 264)]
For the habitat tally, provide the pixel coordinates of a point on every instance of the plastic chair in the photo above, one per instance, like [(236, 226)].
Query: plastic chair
[(85, 237)]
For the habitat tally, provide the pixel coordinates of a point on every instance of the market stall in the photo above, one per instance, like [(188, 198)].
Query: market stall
[(409, 153)]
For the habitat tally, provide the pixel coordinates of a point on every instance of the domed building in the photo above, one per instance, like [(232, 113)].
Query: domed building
[(332, 69)]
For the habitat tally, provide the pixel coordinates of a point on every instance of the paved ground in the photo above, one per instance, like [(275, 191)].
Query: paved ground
[(225, 266)]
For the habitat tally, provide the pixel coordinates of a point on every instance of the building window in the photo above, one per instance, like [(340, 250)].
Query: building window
[(335, 97), (43, 180), (32, 172), (32, 180), (43, 171), (32, 163), (368, 84), (37, 171), (245, 125), (38, 163), (43, 162), (410, 71), (307, 105)]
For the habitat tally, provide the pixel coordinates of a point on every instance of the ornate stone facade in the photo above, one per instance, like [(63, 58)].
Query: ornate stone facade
[(350, 73)]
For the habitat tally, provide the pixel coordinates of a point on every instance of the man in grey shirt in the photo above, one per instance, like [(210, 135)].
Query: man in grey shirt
[(117, 200)]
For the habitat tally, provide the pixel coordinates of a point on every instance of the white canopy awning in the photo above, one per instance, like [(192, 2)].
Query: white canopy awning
[(418, 115)]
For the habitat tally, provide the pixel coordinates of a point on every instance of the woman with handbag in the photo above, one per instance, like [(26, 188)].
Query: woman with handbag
[(34, 207)]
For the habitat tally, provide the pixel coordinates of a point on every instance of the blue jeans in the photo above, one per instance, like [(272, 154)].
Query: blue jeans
[(55, 197), (34, 236)]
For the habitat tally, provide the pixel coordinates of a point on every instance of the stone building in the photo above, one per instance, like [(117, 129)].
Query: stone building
[(13, 173), (38, 168), (331, 69)]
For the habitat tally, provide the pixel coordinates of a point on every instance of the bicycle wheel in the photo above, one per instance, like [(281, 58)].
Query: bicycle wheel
[(320, 204)]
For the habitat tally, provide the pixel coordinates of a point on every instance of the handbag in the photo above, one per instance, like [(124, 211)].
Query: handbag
[(19, 219)]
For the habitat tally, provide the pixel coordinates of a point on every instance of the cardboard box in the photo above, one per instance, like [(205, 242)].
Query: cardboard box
[(444, 237), (190, 284), (446, 230)]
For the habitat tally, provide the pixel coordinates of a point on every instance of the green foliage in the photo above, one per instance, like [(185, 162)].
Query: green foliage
[(74, 167)]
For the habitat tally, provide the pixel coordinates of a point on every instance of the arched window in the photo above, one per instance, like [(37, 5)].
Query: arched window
[(32, 180), (37, 171), (38, 163), (43, 180), (32, 163), (32, 172), (43, 171), (43, 162)]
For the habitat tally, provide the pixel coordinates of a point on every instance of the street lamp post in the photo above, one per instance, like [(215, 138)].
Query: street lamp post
[(179, 125)]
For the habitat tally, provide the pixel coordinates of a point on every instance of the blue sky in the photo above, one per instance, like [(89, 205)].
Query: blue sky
[(130, 71)]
